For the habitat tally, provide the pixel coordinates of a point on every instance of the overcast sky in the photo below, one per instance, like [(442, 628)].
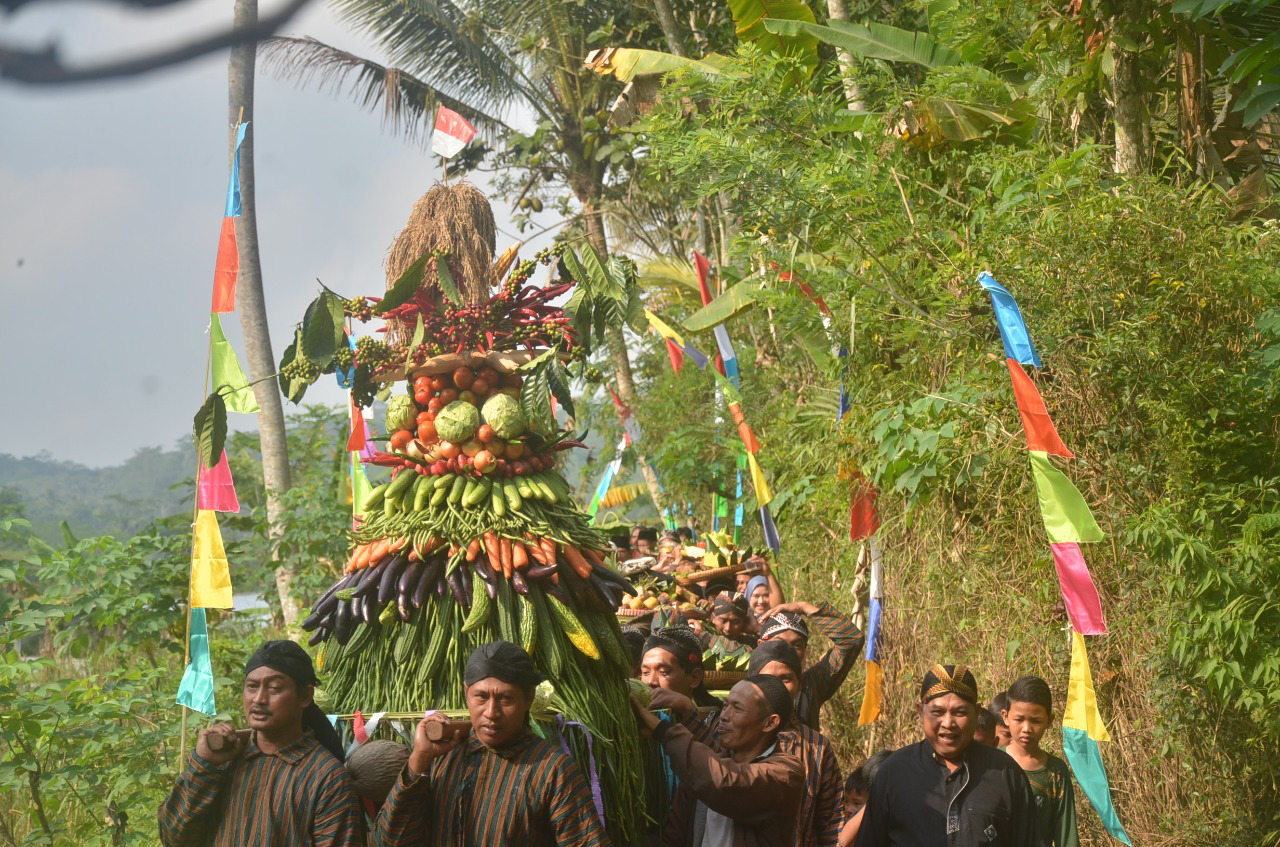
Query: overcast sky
[(111, 197)]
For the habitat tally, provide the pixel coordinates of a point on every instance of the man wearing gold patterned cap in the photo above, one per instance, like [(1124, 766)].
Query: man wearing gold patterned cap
[(947, 791)]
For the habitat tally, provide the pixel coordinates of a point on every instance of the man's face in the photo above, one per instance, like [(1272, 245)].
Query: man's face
[(949, 723), (641, 547), (1026, 723), (798, 642), (742, 578), (786, 675), (745, 718), (731, 626), (660, 669), (1002, 734), (272, 702), (498, 711)]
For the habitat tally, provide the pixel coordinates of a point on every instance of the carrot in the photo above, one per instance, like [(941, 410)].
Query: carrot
[(396, 544), (413, 555), (473, 549), (548, 549), (536, 551), (594, 555), (519, 556), (379, 550), (555, 578), (506, 556), (453, 550), (491, 545), (574, 557), (361, 558)]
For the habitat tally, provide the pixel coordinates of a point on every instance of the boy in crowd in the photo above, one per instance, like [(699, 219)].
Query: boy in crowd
[(1028, 713), (999, 703), (986, 732), (857, 788)]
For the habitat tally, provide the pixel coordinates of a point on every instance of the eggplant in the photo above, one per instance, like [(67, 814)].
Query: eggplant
[(518, 583), (465, 575), (603, 590), (541, 571), (343, 624), (370, 581), (557, 592), (390, 574), (404, 611), (409, 578), (423, 585), (482, 567), (320, 635), (455, 585)]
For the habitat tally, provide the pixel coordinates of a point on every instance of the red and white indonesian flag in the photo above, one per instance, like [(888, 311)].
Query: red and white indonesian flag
[(452, 133)]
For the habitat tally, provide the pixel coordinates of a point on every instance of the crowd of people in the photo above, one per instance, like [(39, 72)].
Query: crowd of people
[(752, 769)]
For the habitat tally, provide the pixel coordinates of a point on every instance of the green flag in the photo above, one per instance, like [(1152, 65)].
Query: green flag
[(1066, 516), (226, 371), (360, 488)]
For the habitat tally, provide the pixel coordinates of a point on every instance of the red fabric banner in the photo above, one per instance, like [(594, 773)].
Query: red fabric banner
[(675, 354), (863, 519), (1041, 434), (356, 440), (227, 268)]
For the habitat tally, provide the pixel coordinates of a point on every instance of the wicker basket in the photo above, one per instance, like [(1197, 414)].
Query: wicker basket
[(714, 573), (634, 613), (722, 679)]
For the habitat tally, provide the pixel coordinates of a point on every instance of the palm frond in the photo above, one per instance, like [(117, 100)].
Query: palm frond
[(671, 280), (406, 102)]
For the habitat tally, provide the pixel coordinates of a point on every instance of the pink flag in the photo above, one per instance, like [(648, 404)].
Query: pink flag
[(1078, 590), (369, 450), (357, 728), (216, 491), (452, 133)]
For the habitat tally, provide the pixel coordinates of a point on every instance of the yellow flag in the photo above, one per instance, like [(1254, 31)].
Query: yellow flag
[(757, 481), (210, 577), (663, 328), (871, 694), (1082, 703)]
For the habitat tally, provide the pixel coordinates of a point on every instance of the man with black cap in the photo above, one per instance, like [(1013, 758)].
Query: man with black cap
[(501, 785), (280, 782), (790, 622), (747, 793), (947, 791), (673, 660), (821, 815), (729, 615)]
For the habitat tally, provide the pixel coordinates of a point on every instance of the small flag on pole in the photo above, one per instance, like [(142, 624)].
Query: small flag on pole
[(451, 134)]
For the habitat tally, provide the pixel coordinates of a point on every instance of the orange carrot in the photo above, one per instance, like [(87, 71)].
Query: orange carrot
[(379, 550), (536, 551), (396, 544), (594, 555), (506, 556), (491, 546), (574, 557), (413, 555), (473, 549), (361, 558), (519, 556), (548, 549)]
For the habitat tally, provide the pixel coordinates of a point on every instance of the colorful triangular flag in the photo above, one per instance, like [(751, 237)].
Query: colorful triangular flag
[(226, 371), (452, 133), (1078, 591), (1041, 434), (210, 576), (1066, 516), (196, 689), (216, 490), (1013, 329)]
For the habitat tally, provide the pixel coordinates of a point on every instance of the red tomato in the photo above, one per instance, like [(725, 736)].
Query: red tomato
[(437, 382), (423, 417), (449, 450), (514, 450), (485, 433), (422, 383), (427, 431), (463, 377), (400, 439), (435, 404), (480, 387), (489, 375), (483, 460), (422, 396), (449, 395)]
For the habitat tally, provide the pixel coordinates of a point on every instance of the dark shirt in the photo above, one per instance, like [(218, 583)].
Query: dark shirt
[(917, 801), (821, 813), (300, 796), (822, 679), (528, 794)]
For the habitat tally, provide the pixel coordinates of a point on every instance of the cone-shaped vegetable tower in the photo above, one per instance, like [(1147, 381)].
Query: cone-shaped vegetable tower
[(475, 537)]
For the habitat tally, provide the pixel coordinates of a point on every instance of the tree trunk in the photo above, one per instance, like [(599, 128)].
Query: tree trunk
[(1195, 110), (667, 20), (253, 312), (1126, 102), (837, 11), (618, 348)]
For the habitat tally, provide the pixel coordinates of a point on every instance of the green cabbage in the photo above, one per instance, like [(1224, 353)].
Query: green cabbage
[(402, 413), (503, 414), (458, 421)]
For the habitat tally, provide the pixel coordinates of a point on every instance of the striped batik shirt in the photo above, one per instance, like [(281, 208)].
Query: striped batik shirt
[(822, 805), (299, 796), (528, 794), (823, 678)]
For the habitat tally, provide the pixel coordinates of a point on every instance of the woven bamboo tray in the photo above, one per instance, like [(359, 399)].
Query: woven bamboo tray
[(502, 361), (633, 613), (722, 679), (703, 576)]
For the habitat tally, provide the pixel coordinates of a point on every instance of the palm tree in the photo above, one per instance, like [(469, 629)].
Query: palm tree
[(488, 60)]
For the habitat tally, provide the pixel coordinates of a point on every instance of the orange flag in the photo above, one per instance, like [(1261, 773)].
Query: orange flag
[(1040, 431), (227, 269)]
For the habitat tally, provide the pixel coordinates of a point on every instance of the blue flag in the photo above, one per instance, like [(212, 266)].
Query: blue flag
[(233, 188), (196, 690), (1013, 330)]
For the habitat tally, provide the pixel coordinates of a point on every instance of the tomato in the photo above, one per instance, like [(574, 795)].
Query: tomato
[(489, 375), (435, 404), (427, 431), (512, 380), (483, 460), (449, 395), (471, 448), (438, 383), (485, 433), (514, 450), (423, 417), (463, 377), (422, 396), (480, 387), (422, 383), (468, 397), (449, 450), (400, 440)]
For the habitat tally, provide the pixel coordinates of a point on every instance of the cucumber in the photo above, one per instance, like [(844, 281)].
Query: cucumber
[(443, 481), (514, 500), (475, 496), (548, 493), (497, 502), (439, 496), (455, 493), (403, 481), (522, 485), (389, 505), (422, 489), (375, 497)]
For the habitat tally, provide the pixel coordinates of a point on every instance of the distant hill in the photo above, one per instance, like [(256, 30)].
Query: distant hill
[(117, 500)]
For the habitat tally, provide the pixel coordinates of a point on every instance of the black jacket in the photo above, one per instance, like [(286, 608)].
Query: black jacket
[(916, 801)]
